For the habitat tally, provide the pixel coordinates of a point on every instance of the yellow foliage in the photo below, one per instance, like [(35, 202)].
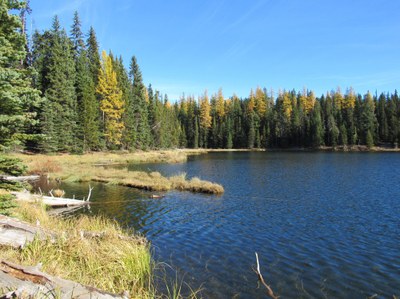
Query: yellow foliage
[(167, 104), (111, 102), (350, 99), (260, 102), (220, 105), (287, 105), (251, 104), (205, 108), (338, 99), (146, 95), (307, 101)]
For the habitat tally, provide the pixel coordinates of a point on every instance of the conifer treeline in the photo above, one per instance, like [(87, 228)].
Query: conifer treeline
[(292, 119), (92, 102)]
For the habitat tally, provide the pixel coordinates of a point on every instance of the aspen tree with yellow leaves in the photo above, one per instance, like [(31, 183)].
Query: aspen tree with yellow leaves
[(111, 103)]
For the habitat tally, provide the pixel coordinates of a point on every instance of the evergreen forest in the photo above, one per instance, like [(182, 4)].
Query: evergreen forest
[(60, 93)]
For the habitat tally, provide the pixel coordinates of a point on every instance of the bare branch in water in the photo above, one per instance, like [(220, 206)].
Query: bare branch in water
[(270, 292)]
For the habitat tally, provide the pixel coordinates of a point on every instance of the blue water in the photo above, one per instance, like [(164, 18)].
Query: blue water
[(325, 225)]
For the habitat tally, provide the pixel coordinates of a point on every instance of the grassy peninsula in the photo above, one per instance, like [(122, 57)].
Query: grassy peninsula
[(96, 167)]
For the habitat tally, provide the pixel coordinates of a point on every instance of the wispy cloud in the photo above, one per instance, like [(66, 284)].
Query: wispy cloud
[(238, 50), (67, 6), (245, 16)]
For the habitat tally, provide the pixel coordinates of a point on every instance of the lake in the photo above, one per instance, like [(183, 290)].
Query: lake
[(325, 225)]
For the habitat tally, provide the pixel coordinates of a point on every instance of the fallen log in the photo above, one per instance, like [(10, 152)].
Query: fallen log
[(30, 282), (16, 233), (49, 200), (20, 178), (52, 201)]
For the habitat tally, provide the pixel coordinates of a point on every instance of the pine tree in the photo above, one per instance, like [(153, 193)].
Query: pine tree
[(229, 134), (57, 82), (93, 55), (369, 140), (317, 131), (77, 36), (368, 120), (111, 103), (382, 119), (393, 119), (343, 135), (237, 119), (88, 125), (139, 106), (220, 104), (18, 100), (196, 133), (252, 131), (205, 119)]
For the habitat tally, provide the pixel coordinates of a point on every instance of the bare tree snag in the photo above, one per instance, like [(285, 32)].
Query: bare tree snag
[(270, 292)]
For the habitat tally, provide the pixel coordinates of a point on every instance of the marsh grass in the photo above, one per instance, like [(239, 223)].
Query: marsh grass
[(114, 261), (90, 167)]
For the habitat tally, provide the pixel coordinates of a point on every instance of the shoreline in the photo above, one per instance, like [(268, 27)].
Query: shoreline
[(354, 148)]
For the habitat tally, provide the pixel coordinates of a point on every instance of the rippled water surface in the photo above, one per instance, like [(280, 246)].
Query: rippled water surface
[(325, 225)]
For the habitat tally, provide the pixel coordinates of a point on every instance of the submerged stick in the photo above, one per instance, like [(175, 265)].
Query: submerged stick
[(270, 292)]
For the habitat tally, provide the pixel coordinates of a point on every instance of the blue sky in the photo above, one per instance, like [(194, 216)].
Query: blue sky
[(193, 45)]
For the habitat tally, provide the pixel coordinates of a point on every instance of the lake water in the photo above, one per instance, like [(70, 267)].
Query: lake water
[(325, 225)]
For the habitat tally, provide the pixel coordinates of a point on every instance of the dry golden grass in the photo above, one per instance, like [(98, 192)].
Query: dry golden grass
[(88, 167), (114, 261), (51, 163), (93, 251)]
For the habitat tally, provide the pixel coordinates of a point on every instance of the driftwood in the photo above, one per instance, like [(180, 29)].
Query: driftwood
[(27, 282), (16, 233), (156, 196), (20, 178), (270, 292), (52, 201)]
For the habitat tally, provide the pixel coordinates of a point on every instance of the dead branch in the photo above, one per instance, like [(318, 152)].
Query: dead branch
[(90, 193), (270, 292)]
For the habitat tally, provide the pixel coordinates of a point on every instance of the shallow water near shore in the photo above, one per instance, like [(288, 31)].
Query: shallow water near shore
[(325, 225)]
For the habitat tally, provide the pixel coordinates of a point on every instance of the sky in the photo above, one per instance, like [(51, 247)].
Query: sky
[(237, 45)]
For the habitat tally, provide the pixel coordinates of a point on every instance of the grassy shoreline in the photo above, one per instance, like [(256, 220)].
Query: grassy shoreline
[(93, 251)]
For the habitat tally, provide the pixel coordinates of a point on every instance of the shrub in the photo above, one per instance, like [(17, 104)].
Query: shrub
[(6, 204)]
